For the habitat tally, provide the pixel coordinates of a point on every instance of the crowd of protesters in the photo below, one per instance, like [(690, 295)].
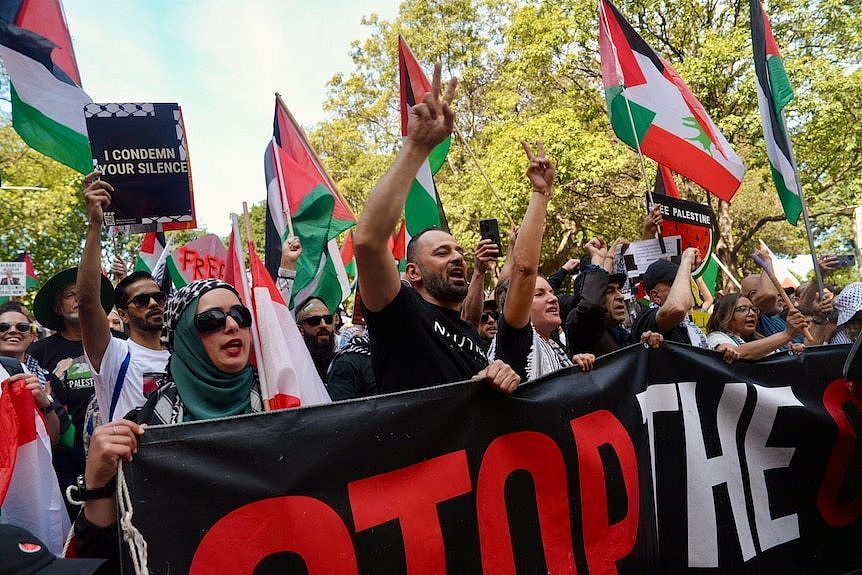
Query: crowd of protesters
[(186, 358)]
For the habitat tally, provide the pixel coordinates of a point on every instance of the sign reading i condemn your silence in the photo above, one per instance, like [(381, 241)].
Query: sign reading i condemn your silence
[(143, 153)]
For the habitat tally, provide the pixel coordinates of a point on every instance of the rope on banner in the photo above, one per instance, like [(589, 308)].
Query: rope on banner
[(136, 541)]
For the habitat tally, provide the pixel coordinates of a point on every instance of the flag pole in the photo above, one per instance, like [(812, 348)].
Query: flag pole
[(805, 219), (604, 19), (726, 271), (281, 191), (255, 336), (484, 175)]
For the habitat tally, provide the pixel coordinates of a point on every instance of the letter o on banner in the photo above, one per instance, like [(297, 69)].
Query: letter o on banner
[(302, 525)]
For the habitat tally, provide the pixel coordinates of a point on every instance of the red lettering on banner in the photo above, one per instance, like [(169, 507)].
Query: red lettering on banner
[(411, 495), (835, 512), (604, 544), (201, 267), (302, 525), (537, 454)]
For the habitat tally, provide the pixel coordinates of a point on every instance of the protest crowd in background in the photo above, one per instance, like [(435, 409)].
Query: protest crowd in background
[(100, 356)]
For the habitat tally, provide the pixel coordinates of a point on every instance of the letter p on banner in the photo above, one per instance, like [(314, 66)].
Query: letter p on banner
[(604, 544)]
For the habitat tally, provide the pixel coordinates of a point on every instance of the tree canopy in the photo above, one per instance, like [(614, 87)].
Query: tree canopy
[(530, 70)]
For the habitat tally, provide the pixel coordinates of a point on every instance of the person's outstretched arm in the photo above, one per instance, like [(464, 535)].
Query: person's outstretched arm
[(430, 122), (679, 301), (525, 256), (95, 332)]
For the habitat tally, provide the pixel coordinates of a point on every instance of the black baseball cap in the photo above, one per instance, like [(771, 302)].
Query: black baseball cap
[(660, 271), (22, 553)]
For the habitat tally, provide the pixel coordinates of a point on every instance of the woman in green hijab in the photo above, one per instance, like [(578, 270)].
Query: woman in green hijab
[(207, 330)]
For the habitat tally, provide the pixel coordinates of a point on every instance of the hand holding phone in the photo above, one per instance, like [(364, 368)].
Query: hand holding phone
[(490, 230)]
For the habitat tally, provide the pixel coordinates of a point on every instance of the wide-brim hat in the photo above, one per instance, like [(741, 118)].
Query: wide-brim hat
[(22, 552), (43, 304)]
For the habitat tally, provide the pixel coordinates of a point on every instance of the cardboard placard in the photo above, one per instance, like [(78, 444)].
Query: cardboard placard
[(143, 153), (13, 278)]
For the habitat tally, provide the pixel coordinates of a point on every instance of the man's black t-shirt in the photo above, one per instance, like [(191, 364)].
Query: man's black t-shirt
[(416, 344), (76, 383), (646, 322)]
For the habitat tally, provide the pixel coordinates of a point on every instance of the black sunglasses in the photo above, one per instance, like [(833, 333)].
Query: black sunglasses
[(143, 299), (314, 320), (215, 319), (21, 326), (486, 315)]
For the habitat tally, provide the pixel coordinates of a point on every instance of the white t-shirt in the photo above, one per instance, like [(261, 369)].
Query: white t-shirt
[(716, 338), (114, 402)]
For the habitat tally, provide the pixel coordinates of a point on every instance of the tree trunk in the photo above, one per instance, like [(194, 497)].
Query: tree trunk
[(724, 247)]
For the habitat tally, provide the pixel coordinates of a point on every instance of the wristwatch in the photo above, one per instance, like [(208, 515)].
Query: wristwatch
[(50, 407), (78, 493)]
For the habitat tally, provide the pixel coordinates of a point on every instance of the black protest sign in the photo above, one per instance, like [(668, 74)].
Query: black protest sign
[(657, 461), (693, 222), (143, 153)]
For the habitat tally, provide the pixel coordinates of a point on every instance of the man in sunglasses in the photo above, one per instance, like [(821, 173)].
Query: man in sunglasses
[(317, 327), (488, 323), (418, 338), (122, 369)]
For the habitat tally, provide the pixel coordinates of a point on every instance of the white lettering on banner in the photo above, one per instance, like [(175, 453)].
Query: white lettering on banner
[(705, 473), (460, 340), (770, 532)]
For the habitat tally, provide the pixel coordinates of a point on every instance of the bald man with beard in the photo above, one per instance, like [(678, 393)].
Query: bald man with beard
[(317, 327)]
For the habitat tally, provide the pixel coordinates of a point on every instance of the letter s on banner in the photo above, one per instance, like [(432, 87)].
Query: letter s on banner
[(835, 512), (302, 525)]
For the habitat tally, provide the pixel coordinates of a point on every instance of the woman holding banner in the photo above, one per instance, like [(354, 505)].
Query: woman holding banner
[(733, 330), (207, 329)]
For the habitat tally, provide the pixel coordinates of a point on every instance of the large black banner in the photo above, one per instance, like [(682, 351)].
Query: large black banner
[(657, 461)]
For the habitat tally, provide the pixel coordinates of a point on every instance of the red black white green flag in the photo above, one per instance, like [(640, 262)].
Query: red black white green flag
[(47, 98), (652, 110), (423, 208), (773, 94), (298, 187)]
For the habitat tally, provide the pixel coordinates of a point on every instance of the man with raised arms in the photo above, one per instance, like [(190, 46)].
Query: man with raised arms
[(418, 338)]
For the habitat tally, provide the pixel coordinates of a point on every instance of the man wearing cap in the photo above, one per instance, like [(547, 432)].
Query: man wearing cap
[(124, 371), (668, 286), (56, 307)]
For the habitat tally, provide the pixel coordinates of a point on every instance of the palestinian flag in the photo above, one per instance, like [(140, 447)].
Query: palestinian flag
[(348, 258), (47, 99), (670, 126), (423, 208), (773, 94), (299, 188), (32, 280)]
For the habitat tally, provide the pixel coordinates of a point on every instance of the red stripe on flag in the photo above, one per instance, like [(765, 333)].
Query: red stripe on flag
[(413, 82), (632, 74), (347, 248), (771, 44), (690, 162), (693, 104), (45, 17)]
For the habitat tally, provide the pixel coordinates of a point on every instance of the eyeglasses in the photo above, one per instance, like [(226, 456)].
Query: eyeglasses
[(22, 326), (143, 299), (492, 314), (314, 320), (747, 308), (216, 318)]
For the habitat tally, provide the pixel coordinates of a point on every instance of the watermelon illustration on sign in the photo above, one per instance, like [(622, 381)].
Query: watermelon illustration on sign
[(693, 222)]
